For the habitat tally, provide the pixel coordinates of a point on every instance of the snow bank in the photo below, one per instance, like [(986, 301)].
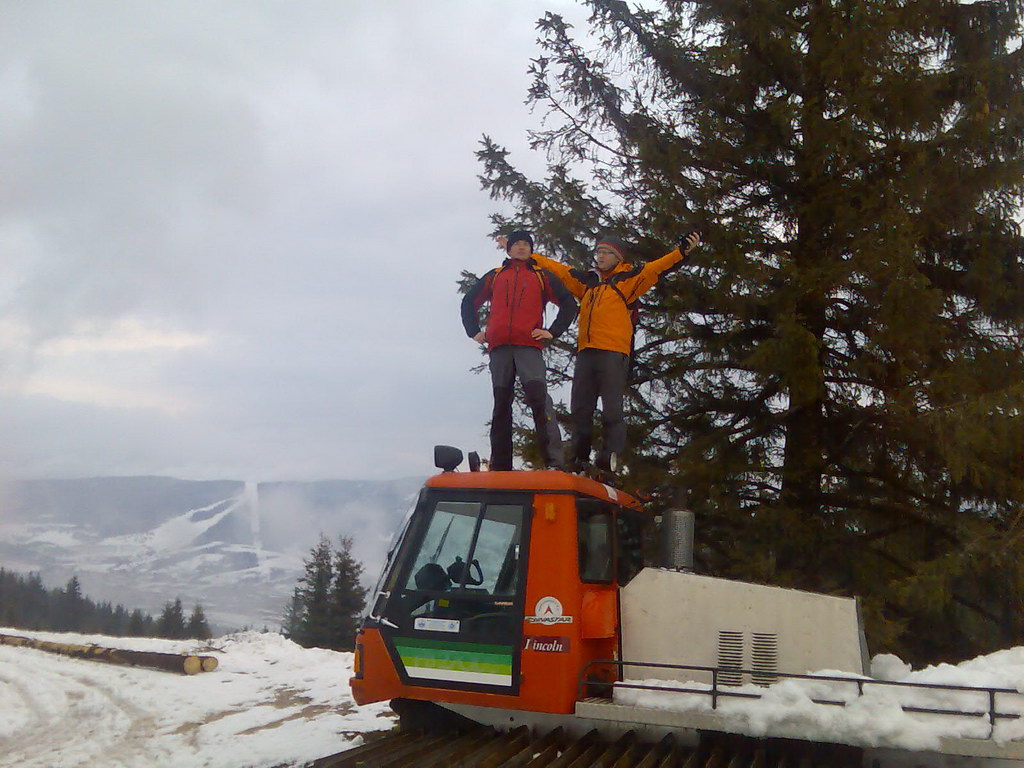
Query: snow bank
[(875, 719)]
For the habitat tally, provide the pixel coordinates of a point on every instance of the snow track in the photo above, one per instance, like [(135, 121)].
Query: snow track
[(64, 701), (270, 703)]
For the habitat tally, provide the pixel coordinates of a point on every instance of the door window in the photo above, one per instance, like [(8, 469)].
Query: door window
[(595, 540)]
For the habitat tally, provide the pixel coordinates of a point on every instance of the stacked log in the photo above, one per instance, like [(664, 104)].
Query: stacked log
[(172, 662)]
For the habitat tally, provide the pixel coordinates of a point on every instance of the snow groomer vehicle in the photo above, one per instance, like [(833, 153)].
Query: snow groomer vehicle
[(542, 618)]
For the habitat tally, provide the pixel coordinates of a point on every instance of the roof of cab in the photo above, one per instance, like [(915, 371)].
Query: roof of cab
[(539, 481)]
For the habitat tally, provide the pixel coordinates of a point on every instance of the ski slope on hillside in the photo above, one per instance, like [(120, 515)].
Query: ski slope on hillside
[(269, 703)]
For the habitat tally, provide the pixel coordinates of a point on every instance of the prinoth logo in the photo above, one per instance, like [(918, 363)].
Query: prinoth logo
[(548, 611), (546, 644)]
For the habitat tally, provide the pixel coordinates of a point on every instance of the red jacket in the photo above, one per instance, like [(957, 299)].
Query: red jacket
[(517, 291)]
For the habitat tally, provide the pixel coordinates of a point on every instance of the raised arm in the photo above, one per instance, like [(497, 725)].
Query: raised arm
[(635, 287), (563, 273)]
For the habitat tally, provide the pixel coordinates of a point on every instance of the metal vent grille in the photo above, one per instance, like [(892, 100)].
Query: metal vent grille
[(730, 657), (765, 658)]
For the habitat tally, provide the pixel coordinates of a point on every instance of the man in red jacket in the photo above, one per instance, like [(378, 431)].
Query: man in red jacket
[(517, 292)]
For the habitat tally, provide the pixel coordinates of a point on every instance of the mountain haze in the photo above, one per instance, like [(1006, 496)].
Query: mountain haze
[(236, 547)]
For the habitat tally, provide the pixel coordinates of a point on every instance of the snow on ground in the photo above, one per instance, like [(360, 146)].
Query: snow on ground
[(269, 703), (273, 703), (874, 719)]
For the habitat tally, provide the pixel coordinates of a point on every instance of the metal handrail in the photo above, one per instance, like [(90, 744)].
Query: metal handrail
[(716, 692)]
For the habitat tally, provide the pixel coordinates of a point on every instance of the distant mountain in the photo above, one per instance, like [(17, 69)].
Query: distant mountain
[(237, 548)]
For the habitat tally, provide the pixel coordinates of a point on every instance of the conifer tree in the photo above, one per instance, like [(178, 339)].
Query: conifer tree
[(315, 595), (25, 603), (70, 606), (325, 606), (834, 381), (36, 604), (291, 623), (171, 623), (137, 624), (118, 622), (348, 596), (6, 593), (197, 627)]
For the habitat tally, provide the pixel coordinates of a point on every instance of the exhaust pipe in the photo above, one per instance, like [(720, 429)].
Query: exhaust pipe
[(677, 526)]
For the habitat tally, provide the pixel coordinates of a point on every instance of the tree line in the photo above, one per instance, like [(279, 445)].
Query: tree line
[(25, 603), (324, 611), (327, 602), (834, 382)]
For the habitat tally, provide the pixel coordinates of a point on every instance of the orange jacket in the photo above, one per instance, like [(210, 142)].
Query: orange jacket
[(607, 300)]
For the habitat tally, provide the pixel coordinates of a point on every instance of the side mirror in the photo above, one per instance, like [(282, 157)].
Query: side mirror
[(447, 457), (474, 461)]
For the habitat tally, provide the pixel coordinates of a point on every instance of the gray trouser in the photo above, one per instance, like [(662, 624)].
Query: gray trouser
[(599, 373), (509, 362)]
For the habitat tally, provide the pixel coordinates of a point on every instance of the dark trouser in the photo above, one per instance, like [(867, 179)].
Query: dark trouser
[(527, 364), (599, 373)]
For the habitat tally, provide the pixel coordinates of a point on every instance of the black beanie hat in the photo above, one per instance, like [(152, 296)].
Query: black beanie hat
[(519, 234), (615, 243)]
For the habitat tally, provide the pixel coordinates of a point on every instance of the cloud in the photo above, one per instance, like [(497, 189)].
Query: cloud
[(127, 334), (232, 233)]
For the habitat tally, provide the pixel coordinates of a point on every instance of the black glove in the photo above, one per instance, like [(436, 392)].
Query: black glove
[(682, 242)]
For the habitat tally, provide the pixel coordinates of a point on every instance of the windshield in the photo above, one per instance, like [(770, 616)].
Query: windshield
[(461, 569), (469, 546)]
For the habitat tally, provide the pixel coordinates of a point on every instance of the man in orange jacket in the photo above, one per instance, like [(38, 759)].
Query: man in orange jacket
[(608, 296)]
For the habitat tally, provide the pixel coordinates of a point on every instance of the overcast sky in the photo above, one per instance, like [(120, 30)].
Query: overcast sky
[(230, 231)]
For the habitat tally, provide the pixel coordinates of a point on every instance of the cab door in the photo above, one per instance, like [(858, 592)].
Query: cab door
[(454, 615)]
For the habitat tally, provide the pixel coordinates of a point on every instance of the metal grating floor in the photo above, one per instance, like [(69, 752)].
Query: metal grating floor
[(486, 748)]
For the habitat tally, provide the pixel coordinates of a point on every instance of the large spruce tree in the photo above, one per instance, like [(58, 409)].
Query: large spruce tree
[(834, 380)]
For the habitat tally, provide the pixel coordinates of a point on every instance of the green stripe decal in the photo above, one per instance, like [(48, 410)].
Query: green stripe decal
[(485, 663), (453, 654), (419, 642), (457, 666)]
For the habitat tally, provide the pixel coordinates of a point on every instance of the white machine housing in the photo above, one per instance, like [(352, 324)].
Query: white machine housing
[(673, 617)]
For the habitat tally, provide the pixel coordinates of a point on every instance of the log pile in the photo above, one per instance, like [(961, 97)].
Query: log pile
[(172, 662)]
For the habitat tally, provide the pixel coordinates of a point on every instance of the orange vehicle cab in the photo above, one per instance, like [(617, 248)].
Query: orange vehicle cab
[(499, 590)]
